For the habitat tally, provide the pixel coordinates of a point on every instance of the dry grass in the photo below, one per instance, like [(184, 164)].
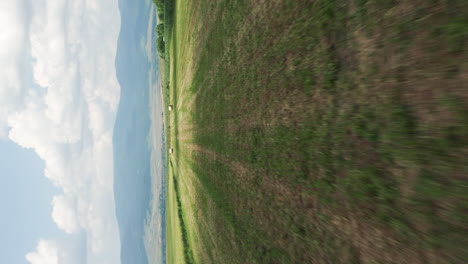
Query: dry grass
[(321, 131)]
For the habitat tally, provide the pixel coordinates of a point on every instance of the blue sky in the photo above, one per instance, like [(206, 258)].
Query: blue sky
[(25, 196), (58, 99)]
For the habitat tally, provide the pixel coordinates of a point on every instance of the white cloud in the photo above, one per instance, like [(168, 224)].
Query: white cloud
[(47, 252), (13, 54), (64, 213), (59, 96), (56, 252)]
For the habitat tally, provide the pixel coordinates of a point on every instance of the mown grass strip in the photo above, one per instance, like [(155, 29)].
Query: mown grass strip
[(188, 254)]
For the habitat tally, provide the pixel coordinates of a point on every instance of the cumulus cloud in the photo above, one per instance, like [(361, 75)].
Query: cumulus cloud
[(13, 58), (56, 252), (64, 213), (47, 252), (58, 96)]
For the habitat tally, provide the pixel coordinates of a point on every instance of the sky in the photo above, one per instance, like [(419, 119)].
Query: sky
[(25, 196), (58, 99)]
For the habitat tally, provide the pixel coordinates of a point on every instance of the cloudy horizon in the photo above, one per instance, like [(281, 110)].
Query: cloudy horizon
[(58, 97)]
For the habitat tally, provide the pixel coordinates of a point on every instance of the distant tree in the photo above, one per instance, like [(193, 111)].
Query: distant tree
[(161, 47), (160, 30), (160, 9)]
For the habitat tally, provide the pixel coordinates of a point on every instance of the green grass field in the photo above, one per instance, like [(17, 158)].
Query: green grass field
[(318, 131)]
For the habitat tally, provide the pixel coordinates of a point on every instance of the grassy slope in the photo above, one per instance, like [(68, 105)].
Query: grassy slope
[(179, 246), (319, 133), (174, 243)]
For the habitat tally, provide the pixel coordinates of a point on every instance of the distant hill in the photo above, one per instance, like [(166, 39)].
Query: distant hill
[(132, 180)]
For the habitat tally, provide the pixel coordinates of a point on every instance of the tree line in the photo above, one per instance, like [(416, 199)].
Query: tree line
[(160, 44)]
